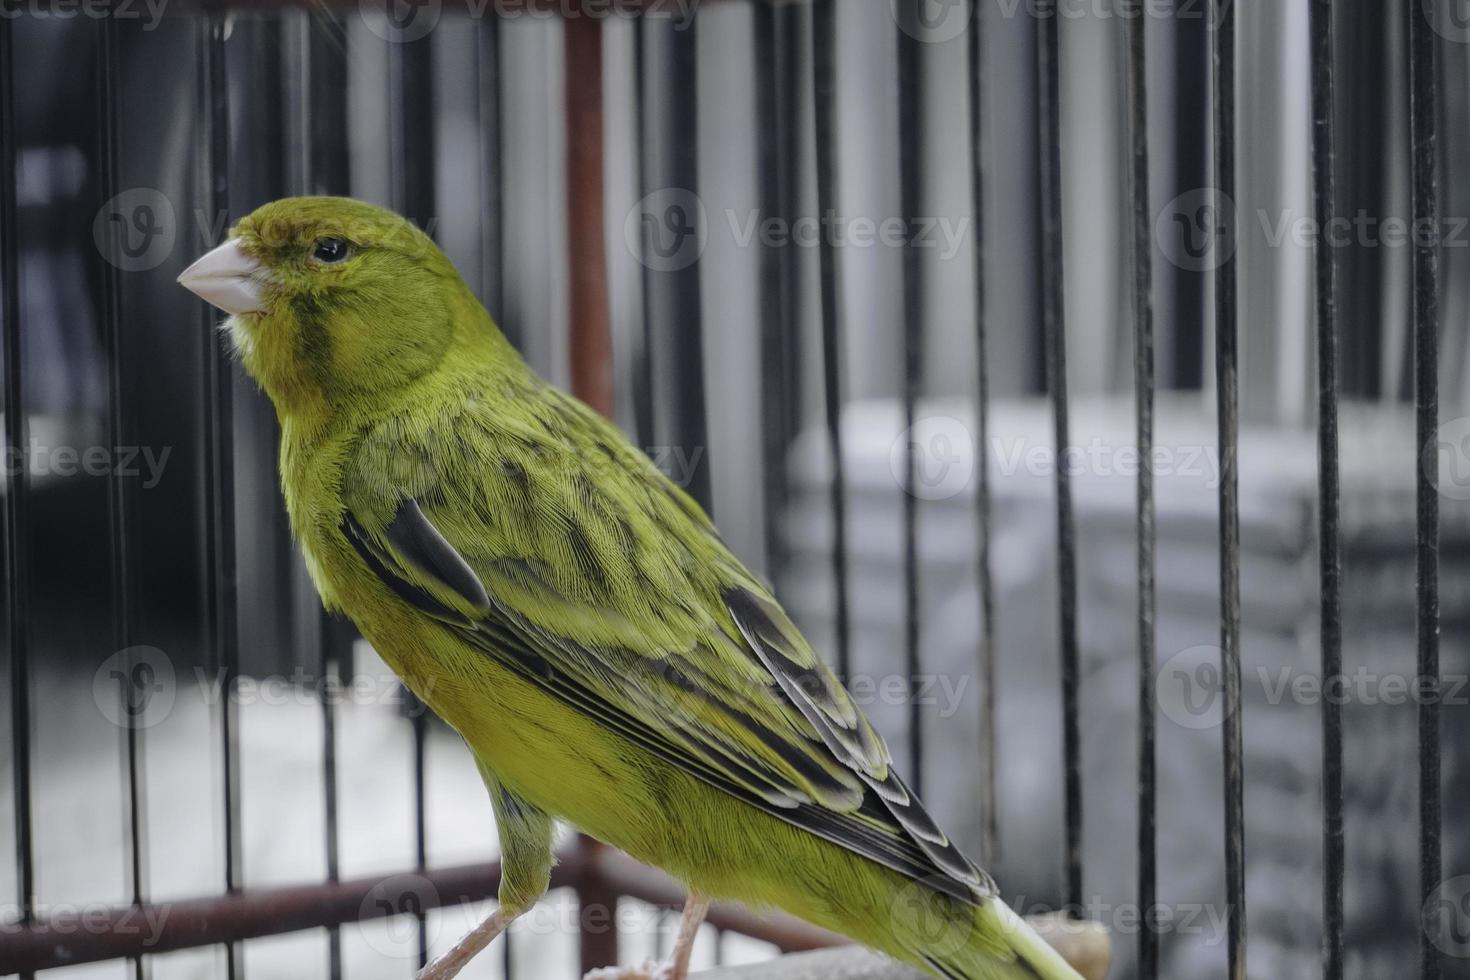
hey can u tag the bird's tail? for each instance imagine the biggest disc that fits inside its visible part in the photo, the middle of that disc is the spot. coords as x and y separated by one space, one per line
984 941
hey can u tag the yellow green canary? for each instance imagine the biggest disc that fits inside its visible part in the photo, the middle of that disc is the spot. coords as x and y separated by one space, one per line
572 613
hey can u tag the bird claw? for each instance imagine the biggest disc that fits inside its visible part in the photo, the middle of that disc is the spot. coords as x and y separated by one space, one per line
648 971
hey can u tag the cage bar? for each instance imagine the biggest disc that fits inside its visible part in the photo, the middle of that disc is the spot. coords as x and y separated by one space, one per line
910 137
587 262
591 351
778 38
492 231
673 303
1141 244
1228 400
642 369
492 167
263 912
17 493
220 579
1055 329
985 652
120 502
411 169
310 72
1424 142
824 80
1329 535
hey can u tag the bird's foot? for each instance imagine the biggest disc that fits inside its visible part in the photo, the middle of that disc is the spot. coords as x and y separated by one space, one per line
648 971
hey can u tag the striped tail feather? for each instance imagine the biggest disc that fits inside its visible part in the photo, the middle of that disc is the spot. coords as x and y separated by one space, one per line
982 941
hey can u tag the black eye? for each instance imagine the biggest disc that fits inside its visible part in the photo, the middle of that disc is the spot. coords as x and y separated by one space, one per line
331 250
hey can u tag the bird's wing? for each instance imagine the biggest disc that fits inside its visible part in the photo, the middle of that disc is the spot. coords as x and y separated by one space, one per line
564 555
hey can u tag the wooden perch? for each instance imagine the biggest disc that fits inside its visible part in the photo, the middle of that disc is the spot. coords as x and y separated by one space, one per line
1085 945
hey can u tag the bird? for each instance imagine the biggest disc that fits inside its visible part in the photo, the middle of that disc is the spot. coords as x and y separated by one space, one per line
573 614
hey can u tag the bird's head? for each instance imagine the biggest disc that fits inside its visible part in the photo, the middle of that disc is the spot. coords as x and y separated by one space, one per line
333 300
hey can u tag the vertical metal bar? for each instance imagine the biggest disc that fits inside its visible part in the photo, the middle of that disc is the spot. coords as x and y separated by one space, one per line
492 228
331 683
778 39
1183 293
1227 394
1364 173
587 259
120 503
17 492
326 145
1143 393
411 168
319 169
219 490
1329 538
824 70
295 59
1054 320
644 419
487 39
591 351
674 304
910 137
411 129
1424 140
985 654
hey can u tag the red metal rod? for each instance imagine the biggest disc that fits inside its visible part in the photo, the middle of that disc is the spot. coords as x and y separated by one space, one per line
87 935
591 354
591 340
92 934
625 876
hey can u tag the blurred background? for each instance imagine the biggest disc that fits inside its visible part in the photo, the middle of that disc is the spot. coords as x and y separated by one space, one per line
140 131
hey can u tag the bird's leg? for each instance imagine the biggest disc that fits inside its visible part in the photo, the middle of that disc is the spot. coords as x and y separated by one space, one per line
677 967
525 872
447 966
696 907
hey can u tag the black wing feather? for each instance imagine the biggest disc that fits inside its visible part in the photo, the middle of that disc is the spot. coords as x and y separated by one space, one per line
888 827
